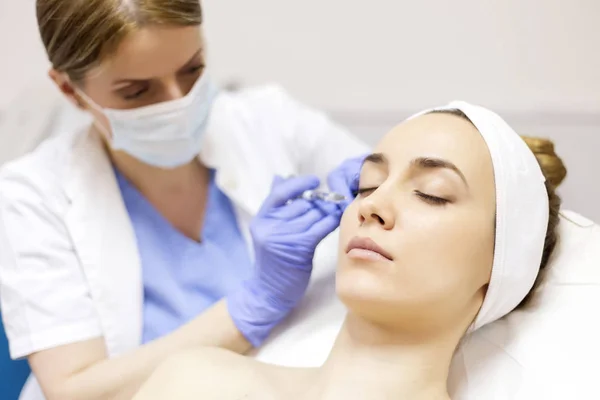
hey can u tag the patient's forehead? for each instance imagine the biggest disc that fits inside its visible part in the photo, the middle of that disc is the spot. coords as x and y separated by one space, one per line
442 136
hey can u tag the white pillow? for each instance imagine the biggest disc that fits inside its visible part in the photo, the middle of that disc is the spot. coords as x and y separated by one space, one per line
551 348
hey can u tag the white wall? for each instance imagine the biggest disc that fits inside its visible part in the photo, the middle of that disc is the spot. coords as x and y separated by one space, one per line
371 63
400 54
21 53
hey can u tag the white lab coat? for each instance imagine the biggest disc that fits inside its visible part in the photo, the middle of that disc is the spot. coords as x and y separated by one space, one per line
69 264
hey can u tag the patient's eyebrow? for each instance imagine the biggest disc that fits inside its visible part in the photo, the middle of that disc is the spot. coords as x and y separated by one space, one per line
376 158
436 163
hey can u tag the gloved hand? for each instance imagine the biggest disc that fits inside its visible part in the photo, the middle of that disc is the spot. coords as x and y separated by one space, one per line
285 235
344 179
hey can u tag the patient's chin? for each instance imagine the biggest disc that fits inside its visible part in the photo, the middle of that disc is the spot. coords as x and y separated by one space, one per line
363 292
380 300
359 283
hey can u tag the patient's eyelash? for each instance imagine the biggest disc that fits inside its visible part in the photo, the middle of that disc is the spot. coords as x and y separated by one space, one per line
434 200
362 191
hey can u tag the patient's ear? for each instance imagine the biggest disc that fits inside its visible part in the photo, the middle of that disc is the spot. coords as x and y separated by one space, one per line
66 87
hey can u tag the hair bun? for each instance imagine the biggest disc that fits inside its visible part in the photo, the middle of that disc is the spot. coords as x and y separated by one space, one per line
552 165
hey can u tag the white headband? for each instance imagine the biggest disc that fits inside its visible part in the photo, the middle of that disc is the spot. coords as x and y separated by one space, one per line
521 213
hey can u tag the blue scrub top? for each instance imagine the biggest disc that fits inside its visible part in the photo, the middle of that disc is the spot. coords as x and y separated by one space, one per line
182 277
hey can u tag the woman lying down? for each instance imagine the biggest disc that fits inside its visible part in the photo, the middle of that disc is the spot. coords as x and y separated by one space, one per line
451 226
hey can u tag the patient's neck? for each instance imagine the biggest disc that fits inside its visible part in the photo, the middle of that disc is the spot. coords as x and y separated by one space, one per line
374 362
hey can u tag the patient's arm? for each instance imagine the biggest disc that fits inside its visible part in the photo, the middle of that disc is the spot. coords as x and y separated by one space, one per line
206 373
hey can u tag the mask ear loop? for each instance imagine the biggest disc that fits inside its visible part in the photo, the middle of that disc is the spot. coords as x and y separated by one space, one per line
92 104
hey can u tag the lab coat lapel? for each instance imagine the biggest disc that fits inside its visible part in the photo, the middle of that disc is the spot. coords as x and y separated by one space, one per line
241 173
105 241
234 167
228 177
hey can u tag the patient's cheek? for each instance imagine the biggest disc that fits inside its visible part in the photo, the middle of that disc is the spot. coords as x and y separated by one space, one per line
348 226
349 222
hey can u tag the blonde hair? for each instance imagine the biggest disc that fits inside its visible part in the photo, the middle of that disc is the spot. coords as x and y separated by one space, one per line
79 34
552 166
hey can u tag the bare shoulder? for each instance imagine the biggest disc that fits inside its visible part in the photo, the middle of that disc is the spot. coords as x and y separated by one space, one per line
208 373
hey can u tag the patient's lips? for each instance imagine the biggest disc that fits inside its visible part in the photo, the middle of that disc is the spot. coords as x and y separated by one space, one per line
366 249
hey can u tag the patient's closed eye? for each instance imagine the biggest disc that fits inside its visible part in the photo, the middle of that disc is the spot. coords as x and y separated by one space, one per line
434 200
365 191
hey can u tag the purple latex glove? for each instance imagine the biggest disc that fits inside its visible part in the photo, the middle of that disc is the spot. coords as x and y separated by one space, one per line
344 179
285 236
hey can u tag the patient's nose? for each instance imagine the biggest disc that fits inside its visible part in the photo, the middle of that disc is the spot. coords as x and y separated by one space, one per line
374 209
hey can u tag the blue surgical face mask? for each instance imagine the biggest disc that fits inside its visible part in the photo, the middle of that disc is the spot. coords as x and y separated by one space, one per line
164 135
